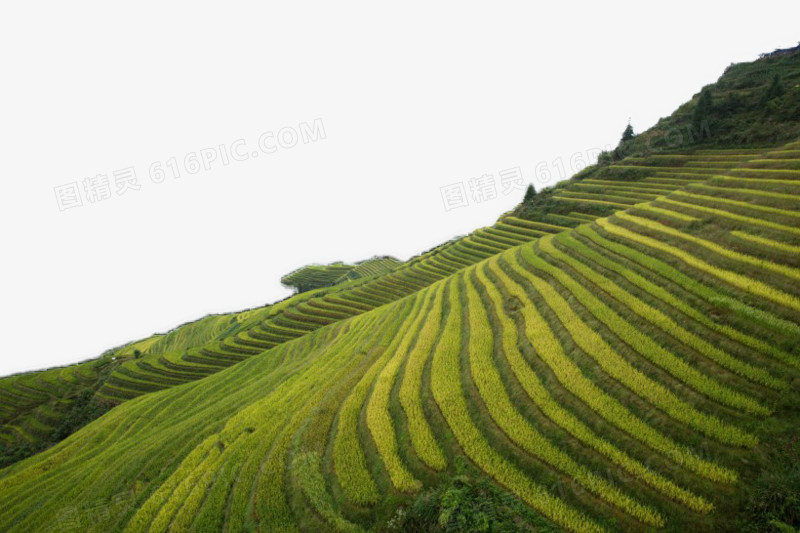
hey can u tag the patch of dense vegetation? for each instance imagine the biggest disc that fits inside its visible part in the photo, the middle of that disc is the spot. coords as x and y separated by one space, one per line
466 502
752 104
86 408
76 405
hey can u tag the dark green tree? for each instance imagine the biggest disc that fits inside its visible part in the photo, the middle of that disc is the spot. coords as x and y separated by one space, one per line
530 194
701 112
628 134
775 90
704 103
731 104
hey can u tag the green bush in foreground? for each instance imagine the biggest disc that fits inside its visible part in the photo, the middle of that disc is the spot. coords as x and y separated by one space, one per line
466 502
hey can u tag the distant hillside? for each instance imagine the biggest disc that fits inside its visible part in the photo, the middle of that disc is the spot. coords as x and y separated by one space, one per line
312 277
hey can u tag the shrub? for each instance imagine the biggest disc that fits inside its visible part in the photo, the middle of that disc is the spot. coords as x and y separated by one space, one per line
530 192
627 135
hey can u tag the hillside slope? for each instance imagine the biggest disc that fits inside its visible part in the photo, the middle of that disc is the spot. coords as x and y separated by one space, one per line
627 372
34 411
753 104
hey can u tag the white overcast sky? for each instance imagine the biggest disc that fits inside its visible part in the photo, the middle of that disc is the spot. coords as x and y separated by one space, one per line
413 97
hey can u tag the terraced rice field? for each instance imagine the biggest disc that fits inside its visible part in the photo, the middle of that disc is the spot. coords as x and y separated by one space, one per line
34 406
184 355
612 373
204 347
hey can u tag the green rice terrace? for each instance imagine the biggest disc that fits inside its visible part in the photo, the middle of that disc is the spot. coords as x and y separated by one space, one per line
316 276
621 352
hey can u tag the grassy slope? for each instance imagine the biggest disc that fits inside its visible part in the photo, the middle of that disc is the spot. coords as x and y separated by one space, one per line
743 114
